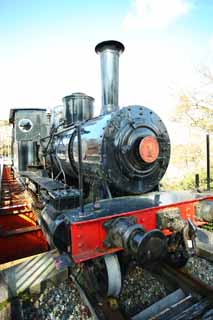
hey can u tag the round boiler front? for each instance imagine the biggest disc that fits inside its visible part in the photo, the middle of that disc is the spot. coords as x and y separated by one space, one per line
137 150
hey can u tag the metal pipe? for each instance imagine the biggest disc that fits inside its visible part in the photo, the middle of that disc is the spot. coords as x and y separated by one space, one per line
208 162
80 173
197 181
60 166
109 53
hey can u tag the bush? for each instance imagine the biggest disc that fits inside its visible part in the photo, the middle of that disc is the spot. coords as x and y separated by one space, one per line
187 182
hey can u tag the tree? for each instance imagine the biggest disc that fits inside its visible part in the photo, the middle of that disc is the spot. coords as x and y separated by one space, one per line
194 112
195 107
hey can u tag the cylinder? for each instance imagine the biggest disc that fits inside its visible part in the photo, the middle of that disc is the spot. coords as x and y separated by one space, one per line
146 247
111 150
109 53
78 107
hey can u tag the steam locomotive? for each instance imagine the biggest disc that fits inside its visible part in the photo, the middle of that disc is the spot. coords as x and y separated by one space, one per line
95 180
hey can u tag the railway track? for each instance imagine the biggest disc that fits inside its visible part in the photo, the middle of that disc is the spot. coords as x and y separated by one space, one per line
190 299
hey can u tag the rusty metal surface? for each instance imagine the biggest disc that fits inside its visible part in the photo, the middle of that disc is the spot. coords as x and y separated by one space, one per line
20 236
1 171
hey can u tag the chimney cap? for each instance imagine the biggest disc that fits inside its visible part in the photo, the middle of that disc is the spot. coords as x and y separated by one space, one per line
109 44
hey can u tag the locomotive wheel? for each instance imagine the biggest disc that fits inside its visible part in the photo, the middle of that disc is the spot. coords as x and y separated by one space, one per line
103 276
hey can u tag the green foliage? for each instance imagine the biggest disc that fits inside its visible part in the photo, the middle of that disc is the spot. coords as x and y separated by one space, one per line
187 182
208 226
195 112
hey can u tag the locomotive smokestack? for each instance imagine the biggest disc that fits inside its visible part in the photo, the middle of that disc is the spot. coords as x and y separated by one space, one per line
109 52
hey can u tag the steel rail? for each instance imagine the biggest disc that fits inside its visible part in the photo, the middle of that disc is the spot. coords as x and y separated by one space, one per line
85 298
108 309
187 281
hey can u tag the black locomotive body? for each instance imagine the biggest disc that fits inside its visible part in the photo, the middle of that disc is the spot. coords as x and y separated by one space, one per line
91 175
111 150
115 144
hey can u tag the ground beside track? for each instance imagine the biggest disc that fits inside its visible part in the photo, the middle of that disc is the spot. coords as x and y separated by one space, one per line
201 268
64 303
55 303
140 289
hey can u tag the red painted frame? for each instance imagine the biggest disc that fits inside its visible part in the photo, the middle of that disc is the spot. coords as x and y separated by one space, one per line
87 236
16 216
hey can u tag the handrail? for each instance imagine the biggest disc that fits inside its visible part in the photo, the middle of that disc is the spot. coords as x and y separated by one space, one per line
1 173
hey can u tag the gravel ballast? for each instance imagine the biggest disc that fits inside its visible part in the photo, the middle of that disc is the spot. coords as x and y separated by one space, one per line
201 268
60 302
140 289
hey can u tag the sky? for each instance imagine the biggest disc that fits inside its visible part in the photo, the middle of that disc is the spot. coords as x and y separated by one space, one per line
47 50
